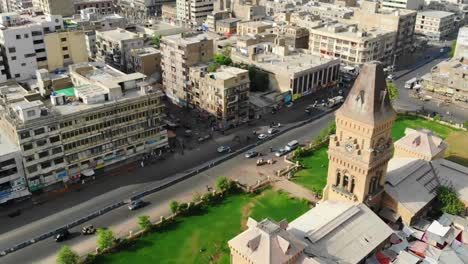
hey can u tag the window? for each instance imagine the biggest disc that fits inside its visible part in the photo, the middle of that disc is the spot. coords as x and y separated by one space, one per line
54 139
17 75
13 57
58 161
41 142
29 158
36 33
26 36
32 168
66 56
58 27
56 150
39 41
41 59
45 165
43 154
63 39
18 36
29 55
39 131
64 48
23 64
40 50
7 162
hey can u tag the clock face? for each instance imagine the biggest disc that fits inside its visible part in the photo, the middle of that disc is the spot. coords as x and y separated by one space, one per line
349 147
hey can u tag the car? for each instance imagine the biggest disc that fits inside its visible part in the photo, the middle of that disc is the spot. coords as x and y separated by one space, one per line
62 235
262 136
390 77
88 230
251 154
204 138
272 131
280 152
135 205
223 149
309 108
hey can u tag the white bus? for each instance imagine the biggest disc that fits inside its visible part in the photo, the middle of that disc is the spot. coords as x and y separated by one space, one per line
292 145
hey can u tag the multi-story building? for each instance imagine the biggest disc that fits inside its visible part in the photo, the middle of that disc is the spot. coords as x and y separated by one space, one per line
352 45
329 11
448 78
169 11
293 74
223 94
22 41
227 26
55 7
179 53
248 11
49 82
253 27
114 45
91 19
293 36
401 21
145 60
194 12
435 25
461 48
102 7
214 17
403 4
106 118
65 48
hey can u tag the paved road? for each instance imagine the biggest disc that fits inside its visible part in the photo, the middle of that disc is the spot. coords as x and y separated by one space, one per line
122 220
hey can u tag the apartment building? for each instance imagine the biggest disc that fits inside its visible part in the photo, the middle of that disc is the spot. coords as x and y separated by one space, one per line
223 94
169 11
179 53
354 46
253 27
194 12
461 48
114 45
146 60
291 73
49 82
55 7
106 118
328 11
435 25
227 26
22 42
401 21
248 11
65 48
102 7
214 17
403 4
448 78
291 36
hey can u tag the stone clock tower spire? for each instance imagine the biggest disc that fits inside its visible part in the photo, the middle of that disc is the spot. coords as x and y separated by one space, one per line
362 146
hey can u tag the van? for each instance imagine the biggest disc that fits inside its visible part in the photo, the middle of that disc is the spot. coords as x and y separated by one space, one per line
411 83
292 145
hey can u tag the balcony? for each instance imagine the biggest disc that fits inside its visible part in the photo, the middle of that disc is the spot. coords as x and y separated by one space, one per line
342 191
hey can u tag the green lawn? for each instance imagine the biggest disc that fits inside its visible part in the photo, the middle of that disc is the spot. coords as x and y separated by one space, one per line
210 230
314 174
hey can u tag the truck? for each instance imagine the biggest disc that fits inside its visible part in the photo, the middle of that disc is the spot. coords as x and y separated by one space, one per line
335 101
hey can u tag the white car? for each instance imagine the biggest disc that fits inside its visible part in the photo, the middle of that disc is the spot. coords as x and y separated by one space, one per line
262 136
272 130
223 149
280 152
390 77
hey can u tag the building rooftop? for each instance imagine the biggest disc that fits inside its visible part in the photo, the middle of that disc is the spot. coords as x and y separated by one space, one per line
435 13
340 232
187 38
145 51
422 141
6 145
261 23
118 34
12 91
226 73
350 32
13 19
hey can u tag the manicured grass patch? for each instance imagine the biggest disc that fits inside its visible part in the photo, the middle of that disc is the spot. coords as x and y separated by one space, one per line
404 121
314 174
203 238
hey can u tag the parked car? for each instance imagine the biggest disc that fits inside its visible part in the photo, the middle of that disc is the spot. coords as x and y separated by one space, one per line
262 136
390 78
135 205
88 230
280 152
251 154
204 138
62 235
272 131
223 149
188 133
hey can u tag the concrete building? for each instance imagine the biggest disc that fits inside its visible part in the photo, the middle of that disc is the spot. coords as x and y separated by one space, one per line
403 4
145 60
448 78
55 7
91 19
223 94
114 45
106 118
351 44
421 144
22 41
328 11
248 10
401 21
292 74
141 10
169 11
49 82
65 48
461 49
194 12
179 53
214 17
253 27
435 25
102 7
291 36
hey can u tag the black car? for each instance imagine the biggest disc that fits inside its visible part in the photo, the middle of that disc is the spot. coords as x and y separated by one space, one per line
135 205
62 235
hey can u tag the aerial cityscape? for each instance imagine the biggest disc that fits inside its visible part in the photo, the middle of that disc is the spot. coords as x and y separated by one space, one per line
234 131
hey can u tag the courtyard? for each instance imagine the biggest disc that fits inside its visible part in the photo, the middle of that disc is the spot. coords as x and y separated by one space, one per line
202 238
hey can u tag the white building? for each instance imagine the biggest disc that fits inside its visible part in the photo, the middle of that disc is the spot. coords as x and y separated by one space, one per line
435 25
461 50
403 4
194 11
22 38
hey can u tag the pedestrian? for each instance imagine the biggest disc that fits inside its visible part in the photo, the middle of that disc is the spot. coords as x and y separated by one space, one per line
271 149
142 164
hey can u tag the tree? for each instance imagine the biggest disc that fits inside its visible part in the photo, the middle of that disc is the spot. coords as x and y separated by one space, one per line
224 184
156 40
452 49
67 256
392 91
222 59
174 205
450 202
144 222
212 67
105 238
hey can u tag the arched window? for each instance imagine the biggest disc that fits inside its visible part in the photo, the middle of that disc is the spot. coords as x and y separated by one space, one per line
338 178
372 185
345 181
351 189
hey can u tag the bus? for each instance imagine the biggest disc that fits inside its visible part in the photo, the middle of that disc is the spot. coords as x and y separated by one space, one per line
292 145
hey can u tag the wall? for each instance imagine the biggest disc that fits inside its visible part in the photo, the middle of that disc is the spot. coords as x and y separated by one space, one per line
75 46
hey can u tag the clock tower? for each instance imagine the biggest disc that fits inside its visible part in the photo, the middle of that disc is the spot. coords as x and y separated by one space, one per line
362 146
